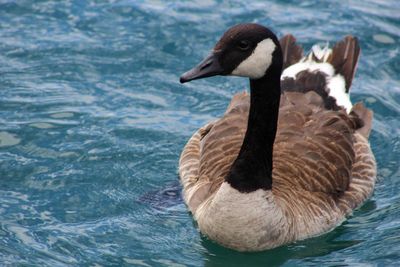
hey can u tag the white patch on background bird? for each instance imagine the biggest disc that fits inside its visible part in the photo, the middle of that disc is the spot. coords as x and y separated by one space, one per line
337 89
258 62
335 82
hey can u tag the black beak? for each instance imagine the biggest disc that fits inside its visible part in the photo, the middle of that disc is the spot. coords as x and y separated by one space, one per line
208 67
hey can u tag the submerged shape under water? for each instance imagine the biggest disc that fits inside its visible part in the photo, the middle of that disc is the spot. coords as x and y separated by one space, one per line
93 120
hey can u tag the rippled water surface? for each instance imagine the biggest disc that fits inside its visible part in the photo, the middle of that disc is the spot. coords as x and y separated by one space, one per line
93 120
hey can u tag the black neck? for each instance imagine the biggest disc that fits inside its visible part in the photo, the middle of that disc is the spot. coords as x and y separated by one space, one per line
252 168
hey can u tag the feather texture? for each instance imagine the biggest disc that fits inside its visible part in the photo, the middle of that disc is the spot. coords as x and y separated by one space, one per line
315 149
323 167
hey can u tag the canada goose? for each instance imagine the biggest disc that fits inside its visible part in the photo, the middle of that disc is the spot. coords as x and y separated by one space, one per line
291 160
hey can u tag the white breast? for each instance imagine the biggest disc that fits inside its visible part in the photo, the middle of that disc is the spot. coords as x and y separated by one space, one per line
243 221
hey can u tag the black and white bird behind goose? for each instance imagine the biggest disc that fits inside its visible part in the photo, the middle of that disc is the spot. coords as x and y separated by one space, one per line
290 160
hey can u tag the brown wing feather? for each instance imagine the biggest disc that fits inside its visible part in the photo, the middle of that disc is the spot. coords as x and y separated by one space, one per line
317 154
313 150
291 51
366 117
344 58
363 176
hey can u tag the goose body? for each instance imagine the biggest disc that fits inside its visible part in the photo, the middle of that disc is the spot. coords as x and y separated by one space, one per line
288 161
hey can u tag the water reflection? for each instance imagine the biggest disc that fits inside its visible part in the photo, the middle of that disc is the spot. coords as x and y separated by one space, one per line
315 247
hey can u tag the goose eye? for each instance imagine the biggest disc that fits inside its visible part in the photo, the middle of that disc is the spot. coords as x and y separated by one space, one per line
243 45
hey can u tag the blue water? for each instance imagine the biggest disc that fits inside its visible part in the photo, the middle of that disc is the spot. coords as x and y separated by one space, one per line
93 119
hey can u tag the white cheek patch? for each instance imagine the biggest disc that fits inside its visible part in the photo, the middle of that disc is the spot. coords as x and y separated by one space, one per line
258 62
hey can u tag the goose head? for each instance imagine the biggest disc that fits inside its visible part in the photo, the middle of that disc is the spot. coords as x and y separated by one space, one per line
246 50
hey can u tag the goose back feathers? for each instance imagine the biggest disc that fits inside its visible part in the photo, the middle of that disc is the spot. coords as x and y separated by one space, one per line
322 165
